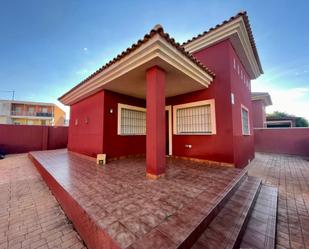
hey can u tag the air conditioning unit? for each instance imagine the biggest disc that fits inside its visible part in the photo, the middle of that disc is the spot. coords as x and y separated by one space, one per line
101 159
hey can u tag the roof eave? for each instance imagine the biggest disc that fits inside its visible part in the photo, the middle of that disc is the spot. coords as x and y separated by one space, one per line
155 47
239 26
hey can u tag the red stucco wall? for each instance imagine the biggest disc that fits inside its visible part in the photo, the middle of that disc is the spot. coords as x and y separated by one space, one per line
223 147
258 113
294 141
57 137
25 138
228 145
86 125
116 145
217 147
243 144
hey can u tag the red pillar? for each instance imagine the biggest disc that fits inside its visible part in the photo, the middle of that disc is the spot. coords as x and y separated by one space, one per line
155 122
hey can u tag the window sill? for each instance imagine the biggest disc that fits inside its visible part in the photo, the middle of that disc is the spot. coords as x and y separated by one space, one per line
126 135
192 134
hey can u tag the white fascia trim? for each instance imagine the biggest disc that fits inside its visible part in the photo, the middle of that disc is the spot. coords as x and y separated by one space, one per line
242 127
265 98
157 47
235 27
129 107
210 102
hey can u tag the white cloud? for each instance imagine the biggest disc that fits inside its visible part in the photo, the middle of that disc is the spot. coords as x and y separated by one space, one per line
290 100
85 49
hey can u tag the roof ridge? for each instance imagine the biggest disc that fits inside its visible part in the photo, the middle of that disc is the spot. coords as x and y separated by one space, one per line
158 29
242 14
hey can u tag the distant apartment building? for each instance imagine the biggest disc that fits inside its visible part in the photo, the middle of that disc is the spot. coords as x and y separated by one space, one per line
30 113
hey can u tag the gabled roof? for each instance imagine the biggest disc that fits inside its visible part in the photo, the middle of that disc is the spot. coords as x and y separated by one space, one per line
241 15
157 30
265 96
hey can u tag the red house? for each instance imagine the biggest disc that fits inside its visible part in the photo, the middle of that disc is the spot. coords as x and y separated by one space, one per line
161 98
260 100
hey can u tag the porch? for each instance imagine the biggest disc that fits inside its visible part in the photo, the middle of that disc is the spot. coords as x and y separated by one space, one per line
153 69
115 206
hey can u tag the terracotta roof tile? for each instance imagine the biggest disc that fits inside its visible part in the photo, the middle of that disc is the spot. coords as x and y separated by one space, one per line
242 14
156 30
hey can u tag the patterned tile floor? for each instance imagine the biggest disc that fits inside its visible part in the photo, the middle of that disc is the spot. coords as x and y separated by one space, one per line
291 176
132 208
30 217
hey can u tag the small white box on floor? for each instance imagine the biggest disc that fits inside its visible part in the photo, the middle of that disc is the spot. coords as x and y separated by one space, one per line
101 159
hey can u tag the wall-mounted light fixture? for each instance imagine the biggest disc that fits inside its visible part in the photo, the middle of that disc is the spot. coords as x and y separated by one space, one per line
111 110
76 122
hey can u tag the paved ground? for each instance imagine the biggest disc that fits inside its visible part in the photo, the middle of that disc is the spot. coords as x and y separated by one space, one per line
30 217
291 176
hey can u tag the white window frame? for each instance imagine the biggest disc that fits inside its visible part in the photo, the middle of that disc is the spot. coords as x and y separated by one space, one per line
242 127
210 102
129 107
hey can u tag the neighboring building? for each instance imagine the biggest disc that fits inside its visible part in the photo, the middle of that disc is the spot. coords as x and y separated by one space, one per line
30 113
260 100
197 96
281 122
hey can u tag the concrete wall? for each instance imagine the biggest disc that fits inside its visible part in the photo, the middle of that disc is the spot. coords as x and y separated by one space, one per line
5 108
59 116
293 141
25 138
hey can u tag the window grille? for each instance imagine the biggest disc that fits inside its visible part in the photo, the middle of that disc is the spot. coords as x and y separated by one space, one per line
195 119
133 122
245 121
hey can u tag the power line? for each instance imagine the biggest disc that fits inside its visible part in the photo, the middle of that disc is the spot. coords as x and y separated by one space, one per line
8 91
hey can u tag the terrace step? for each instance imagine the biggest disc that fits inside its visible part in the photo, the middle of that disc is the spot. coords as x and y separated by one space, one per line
226 229
261 228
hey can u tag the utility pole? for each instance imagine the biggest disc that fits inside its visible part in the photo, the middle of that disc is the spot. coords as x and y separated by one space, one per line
12 91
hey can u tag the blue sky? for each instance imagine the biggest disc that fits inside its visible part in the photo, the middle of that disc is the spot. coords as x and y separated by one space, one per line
48 46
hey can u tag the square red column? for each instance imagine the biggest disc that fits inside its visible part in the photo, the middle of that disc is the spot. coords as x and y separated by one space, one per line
155 123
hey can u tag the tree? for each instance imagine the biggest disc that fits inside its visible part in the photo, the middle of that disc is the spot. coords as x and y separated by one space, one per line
299 121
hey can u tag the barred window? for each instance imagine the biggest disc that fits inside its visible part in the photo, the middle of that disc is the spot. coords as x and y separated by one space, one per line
245 121
194 118
131 120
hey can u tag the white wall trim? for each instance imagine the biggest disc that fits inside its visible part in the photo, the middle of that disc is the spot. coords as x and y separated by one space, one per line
156 47
242 127
238 28
130 107
137 108
210 102
170 128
